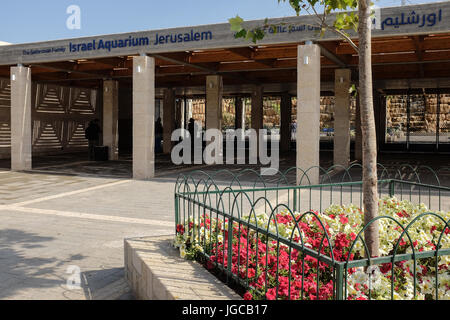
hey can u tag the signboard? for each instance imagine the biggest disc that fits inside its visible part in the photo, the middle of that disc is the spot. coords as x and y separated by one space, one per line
395 21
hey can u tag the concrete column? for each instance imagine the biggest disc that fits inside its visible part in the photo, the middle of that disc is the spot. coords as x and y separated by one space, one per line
342 117
179 113
168 119
189 110
21 145
213 109
239 113
308 111
111 117
257 114
257 118
143 117
214 88
358 132
286 119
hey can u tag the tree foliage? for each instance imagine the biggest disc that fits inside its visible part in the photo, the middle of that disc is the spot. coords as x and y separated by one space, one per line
345 19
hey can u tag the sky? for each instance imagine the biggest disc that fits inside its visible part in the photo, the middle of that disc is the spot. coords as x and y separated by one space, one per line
23 21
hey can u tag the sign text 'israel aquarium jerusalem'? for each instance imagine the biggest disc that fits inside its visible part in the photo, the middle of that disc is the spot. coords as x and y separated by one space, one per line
159 39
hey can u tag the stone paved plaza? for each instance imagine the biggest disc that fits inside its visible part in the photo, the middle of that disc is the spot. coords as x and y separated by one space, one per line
51 222
66 215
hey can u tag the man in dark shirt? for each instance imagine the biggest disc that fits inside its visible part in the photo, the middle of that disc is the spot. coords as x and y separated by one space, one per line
158 136
92 133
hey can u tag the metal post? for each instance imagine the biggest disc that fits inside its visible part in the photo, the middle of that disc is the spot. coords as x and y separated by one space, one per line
295 200
339 281
408 120
391 188
177 211
438 118
230 247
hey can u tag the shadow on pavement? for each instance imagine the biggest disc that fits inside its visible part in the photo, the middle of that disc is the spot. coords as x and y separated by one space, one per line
18 270
105 284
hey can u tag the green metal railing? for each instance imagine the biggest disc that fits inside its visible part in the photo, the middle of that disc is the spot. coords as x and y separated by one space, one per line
221 216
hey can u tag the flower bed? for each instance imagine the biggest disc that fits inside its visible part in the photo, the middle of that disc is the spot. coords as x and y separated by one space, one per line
269 268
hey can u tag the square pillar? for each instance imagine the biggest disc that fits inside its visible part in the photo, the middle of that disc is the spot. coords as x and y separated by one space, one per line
214 88
257 114
179 113
143 117
213 109
189 110
308 112
21 145
168 119
286 119
111 117
257 118
342 117
239 113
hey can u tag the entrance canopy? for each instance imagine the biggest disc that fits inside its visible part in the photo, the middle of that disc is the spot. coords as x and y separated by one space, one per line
410 51
409 42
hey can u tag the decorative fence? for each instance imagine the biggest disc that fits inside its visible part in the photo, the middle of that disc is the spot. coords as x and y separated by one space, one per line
282 241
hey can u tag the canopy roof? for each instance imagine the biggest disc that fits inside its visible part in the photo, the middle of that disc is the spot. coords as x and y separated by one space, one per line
408 43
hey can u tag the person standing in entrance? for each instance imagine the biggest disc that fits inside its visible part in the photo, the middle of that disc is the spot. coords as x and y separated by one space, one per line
92 133
192 128
158 135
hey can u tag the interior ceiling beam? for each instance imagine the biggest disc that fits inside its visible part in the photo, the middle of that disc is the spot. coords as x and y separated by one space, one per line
183 63
114 62
57 69
401 44
212 71
331 56
246 53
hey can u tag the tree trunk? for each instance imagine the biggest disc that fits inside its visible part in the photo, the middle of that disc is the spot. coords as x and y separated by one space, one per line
369 140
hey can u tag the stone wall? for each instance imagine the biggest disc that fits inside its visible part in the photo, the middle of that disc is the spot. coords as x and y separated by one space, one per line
423 113
271 111
327 112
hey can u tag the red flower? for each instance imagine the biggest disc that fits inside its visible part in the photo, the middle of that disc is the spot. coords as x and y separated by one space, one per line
386 267
341 241
180 229
248 296
343 219
402 214
209 265
271 294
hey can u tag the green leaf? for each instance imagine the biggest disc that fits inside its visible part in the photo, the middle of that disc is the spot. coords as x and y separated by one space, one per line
249 35
241 34
236 23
